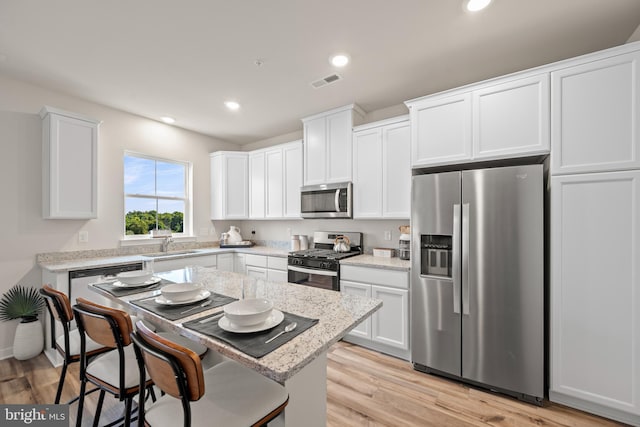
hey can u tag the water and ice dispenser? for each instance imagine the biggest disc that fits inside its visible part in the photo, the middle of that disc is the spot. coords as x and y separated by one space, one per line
435 255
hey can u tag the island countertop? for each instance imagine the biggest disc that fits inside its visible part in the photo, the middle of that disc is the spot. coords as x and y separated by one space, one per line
337 313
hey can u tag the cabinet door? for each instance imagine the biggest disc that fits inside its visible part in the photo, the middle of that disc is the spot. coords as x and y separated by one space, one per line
70 148
595 289
315 151
277 275
511 119
292 169
390 324
441 130
339 127
396 171
595 116
225 262
257 272
257 185
216 182
367 173
275 184
360 289
236 187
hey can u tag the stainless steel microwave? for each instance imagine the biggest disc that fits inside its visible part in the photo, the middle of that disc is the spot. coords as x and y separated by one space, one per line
326 200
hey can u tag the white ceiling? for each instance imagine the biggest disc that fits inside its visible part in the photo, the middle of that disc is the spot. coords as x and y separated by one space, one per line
185 58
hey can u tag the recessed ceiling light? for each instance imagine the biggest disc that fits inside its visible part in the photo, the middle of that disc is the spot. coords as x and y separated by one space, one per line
168 120
476 5
339 60
232 105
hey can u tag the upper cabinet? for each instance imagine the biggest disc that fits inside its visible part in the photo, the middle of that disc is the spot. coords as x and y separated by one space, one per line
260 184
275 178
229 185
505 118
69 169
382 169
596 111
327 145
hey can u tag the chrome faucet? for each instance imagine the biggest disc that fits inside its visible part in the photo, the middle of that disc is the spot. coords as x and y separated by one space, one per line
165 243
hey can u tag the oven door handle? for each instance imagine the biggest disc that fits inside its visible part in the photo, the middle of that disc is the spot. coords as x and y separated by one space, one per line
312 271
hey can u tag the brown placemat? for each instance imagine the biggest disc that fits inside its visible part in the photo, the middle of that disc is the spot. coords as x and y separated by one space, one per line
254 344
121 291
175 312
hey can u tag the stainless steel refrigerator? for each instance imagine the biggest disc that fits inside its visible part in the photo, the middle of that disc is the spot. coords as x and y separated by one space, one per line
477 277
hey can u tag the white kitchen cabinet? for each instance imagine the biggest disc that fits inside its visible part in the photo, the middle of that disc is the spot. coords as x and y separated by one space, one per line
363 330
275 177
225 262
274 174
595 293
266 267
511 119
240 263
229 185
257 184
595 115
387 330
70 161
178 263
292 175
499 119
440 129
327 145
257 272
382 169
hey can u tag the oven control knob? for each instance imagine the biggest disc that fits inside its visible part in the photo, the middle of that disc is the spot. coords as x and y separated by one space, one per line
324 265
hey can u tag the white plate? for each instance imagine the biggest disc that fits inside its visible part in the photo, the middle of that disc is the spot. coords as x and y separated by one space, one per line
202 295
149 282
272 321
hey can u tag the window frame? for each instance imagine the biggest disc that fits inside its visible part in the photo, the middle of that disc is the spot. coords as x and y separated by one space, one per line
187 225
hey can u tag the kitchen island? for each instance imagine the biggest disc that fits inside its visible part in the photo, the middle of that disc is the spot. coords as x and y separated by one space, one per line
300 364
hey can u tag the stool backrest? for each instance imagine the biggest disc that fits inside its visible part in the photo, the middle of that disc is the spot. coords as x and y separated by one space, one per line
105 325
57 303
177 370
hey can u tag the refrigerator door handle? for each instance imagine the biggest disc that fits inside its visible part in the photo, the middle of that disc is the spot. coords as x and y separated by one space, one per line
465 258
455 249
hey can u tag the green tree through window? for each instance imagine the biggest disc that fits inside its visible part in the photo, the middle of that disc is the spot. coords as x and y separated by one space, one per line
156 194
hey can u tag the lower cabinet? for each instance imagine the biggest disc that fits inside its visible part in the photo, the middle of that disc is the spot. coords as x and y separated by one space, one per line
595 293
266 267
177 263
225 262
387 330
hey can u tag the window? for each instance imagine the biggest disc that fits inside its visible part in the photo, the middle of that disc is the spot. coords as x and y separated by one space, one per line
156 195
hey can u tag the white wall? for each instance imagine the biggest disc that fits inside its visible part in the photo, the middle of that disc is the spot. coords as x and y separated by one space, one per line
373 230
24 232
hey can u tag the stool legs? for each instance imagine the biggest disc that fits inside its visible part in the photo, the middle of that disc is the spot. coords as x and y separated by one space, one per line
61 382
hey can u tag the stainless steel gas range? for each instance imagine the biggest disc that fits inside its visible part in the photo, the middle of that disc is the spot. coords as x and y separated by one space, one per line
320 266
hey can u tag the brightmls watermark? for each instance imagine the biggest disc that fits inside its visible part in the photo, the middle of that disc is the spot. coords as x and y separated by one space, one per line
34 415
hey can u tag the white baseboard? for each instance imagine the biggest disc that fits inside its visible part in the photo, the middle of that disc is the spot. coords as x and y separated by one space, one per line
6 353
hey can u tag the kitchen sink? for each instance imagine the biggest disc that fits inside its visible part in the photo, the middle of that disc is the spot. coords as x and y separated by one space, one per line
168 254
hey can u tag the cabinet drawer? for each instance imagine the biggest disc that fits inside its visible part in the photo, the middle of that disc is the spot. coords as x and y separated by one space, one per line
257 260
276 263
375 276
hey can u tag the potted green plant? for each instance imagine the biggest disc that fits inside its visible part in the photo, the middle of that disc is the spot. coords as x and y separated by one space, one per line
24 303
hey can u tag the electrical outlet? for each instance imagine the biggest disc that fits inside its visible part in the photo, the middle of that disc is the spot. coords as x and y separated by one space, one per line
387 235
83 236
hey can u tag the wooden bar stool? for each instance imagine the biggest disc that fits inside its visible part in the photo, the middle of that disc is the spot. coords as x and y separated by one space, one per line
235 395
67 343
115 372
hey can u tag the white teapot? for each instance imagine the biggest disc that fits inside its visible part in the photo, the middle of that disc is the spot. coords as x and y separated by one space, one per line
234 235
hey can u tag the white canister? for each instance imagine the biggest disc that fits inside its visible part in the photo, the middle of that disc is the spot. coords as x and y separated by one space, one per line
295 243
304 242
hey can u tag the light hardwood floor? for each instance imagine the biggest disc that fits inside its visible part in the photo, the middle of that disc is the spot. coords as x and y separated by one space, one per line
364 388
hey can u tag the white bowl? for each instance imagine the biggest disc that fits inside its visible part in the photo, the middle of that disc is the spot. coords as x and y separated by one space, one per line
135 277
181 291
247 312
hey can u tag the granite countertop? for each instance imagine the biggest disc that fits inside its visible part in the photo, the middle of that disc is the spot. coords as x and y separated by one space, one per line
67 261
378 262
337 313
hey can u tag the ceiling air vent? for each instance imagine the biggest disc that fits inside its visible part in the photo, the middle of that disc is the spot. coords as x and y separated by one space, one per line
326 80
